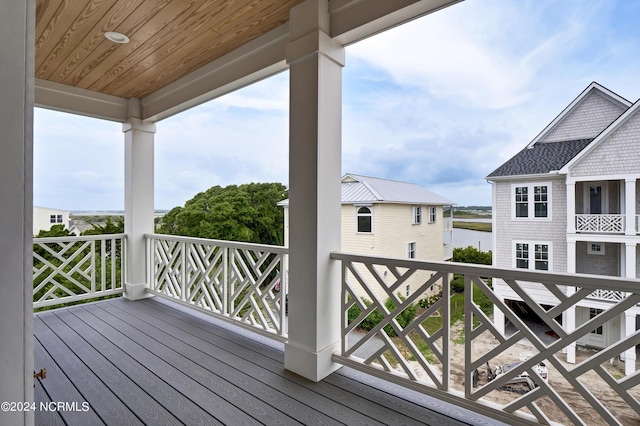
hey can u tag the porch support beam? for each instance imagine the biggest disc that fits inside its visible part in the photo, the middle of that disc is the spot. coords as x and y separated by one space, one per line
74 100
630 206
316 64
571 208
138 193
628 328
16 245
354 20
569 316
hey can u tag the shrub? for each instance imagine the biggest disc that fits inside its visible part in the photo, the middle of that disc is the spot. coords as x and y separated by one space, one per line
404 318
457 283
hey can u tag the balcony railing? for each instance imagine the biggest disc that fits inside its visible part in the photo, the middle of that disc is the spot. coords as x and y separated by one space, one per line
71 269
239 282
605 223
428 361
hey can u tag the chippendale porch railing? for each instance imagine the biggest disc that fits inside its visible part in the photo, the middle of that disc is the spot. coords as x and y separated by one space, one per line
450 362
238 282
609 223
70 269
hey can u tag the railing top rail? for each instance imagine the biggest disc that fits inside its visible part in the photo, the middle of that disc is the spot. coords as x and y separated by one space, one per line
578 280
80 238
230 244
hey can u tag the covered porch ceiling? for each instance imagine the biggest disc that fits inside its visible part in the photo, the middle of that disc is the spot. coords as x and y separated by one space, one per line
181 53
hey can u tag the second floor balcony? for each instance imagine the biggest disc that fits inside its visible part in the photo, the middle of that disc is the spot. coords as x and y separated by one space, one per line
605 207
212 333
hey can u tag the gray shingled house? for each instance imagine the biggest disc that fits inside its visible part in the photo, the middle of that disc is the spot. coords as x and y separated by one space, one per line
569 202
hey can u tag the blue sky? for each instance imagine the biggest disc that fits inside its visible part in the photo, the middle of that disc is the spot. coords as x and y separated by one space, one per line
441 102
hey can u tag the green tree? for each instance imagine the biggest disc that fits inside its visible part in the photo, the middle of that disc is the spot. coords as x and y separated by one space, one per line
246 213
55 231
109 227
471 254
468 254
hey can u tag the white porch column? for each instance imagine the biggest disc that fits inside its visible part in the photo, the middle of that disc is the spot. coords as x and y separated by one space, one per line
498 318
628 328
571 208
569 316
316 63
16 192
138 198
630 206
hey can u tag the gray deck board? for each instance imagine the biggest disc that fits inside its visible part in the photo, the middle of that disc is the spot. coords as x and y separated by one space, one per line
146 362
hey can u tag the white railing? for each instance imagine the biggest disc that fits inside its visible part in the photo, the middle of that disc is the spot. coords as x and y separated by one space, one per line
238 282
610 295
70 269
609 223
428 354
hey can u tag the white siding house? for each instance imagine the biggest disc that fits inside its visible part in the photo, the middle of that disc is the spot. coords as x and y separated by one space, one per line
382 217
569 202
44 218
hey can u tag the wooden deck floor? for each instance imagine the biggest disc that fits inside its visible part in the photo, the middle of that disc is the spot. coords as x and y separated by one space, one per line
150 363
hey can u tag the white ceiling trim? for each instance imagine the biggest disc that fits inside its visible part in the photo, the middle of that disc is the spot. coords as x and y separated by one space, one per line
61 97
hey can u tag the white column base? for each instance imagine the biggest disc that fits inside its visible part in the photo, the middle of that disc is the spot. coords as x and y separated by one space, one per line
311 365
136 291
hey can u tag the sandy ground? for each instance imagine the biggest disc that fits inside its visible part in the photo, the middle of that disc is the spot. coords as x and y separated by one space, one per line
523 350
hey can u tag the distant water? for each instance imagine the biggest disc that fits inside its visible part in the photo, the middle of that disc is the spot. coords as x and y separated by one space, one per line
465 237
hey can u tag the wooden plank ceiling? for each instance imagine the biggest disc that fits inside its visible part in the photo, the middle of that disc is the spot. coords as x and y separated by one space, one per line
168 39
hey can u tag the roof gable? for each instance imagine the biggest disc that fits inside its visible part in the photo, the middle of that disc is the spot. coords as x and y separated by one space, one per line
610 151
569 134
585 117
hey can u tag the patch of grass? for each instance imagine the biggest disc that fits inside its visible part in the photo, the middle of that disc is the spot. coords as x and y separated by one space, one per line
474 226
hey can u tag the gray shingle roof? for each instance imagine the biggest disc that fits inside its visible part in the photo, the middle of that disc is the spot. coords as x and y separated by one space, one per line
541 158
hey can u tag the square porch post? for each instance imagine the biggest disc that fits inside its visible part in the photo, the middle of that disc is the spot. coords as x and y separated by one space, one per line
316 63
138 198
16 245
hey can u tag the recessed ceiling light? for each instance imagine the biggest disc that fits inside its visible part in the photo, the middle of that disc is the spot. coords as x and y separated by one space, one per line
116 37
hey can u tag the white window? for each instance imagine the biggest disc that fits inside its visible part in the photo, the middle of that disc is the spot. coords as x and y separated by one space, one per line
593 312
531 201
432 214
411 250
540 201
522 255
408 291
595 248
417 215
52 218
521 201
364 218
532 255
59 218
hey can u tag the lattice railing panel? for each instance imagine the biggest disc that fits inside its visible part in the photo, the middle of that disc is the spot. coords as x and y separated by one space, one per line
451 361
609 223
237 281
603 294
70 269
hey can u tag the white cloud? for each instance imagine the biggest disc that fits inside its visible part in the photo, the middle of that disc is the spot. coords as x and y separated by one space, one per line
441 101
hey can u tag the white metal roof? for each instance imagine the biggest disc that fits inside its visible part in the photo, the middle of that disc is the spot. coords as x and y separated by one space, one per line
358 189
